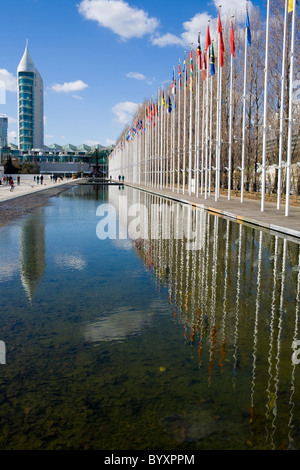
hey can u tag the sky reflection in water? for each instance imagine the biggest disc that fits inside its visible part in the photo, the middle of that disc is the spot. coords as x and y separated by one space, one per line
146 343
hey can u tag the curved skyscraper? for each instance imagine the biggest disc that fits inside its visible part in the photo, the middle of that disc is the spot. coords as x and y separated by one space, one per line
30 105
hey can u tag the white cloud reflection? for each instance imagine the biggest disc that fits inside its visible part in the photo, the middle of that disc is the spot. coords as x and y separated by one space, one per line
76 262
118 325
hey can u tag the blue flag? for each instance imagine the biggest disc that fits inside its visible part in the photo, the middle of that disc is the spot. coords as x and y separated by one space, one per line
212 60
169 104
248 27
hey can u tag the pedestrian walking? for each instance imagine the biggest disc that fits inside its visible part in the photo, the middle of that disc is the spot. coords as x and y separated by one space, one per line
11 182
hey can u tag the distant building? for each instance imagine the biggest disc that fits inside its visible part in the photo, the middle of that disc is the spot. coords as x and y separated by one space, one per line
3 130
30 105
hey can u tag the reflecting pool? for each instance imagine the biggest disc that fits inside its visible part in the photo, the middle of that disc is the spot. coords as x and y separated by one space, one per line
182 336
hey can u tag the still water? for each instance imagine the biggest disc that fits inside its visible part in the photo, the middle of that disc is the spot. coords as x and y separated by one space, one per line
180 339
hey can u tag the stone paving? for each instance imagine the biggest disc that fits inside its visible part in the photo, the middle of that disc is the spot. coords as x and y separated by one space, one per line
27 187
247 212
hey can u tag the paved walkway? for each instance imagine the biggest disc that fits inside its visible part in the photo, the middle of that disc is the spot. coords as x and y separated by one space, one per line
28 187
247 212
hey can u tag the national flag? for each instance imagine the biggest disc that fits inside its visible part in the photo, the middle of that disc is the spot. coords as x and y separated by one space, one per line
204 66
212 60
248 27
199 61
208 41
191 71
164 101
169 104
174 83
179 75
221 41
291 5
185 74
232 41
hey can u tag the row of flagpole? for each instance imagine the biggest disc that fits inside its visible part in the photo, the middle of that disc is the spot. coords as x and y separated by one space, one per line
154 161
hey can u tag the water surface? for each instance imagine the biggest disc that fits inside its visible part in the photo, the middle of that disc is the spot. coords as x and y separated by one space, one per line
180 339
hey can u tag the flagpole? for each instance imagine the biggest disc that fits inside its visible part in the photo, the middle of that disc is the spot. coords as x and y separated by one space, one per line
184 129
244 115
230 119
217 195
210 135
218 120
290 121
282 107
207 105
179 134
198 120
263 188
173 152
203 127
190 124
161 138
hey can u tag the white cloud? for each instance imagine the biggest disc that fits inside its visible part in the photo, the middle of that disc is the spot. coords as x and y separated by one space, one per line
232 6
49 136
199 23
190 35
11 136
118 16
91 142
9 81
109 142
136 75
12 120
167 39
125 111
140 77
77 97
68 87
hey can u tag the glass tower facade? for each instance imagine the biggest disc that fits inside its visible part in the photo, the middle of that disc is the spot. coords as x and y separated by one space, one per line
30 105
3 131
26 110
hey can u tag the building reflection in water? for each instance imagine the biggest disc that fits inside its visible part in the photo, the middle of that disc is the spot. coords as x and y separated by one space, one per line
235 291
32 255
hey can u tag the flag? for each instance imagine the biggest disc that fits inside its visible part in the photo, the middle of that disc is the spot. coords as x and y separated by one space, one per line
191 71
291 5
221 41
208 41
164 101
212 60
204 67
184 74
232 40
179 75
169 104
199 61
248 27
174 83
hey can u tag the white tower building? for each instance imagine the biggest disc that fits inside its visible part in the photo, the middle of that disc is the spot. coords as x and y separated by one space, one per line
30 105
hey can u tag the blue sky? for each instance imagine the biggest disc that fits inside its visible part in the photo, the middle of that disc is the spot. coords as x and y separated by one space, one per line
98 58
